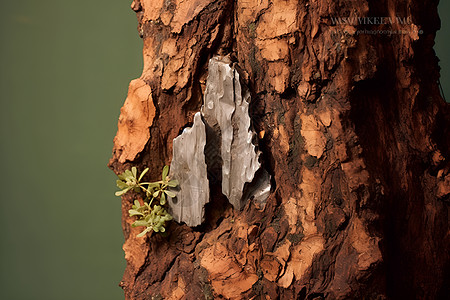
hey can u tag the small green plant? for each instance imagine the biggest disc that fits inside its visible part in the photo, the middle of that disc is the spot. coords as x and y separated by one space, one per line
152 214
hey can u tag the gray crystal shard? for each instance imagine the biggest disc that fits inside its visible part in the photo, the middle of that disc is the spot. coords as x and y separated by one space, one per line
218 109
189 168
219 147
225 109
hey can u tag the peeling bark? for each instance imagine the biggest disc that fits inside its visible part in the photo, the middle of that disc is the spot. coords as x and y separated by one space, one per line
353 131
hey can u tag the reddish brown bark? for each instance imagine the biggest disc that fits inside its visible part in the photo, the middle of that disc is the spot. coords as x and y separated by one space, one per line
356 137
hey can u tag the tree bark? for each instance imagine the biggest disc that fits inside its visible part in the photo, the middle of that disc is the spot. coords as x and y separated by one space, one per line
353 131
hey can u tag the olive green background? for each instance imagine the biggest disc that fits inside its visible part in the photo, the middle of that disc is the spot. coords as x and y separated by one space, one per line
65 68
64 72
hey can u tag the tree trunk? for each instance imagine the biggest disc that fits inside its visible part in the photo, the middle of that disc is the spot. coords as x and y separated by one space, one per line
352 129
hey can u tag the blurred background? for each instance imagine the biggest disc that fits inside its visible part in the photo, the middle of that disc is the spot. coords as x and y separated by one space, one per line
65 68
64 73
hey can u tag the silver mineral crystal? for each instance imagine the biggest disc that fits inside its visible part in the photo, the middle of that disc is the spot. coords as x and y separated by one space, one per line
230 144
189 168
225 109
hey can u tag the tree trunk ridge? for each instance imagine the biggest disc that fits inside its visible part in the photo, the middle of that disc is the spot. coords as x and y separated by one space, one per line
353 131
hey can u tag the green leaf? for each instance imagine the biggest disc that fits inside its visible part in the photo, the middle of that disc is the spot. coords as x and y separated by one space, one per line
170 194
144 232
134 212
140 223
120 193
137 203
147 218
153 185
173 183
120 184
156 194
134 170
127 174
162 201
147 205
143 173
165 172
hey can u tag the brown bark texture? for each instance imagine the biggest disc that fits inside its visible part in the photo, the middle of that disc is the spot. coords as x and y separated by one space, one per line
352 129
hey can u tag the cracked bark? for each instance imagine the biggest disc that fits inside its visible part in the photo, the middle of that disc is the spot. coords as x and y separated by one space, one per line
353 131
